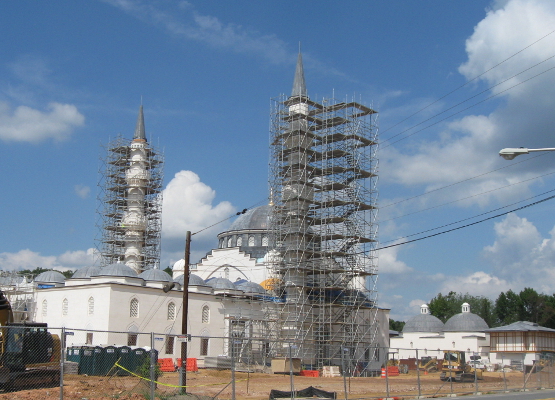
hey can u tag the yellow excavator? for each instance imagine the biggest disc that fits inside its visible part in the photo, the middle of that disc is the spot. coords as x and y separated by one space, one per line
29 354
456 369
428 364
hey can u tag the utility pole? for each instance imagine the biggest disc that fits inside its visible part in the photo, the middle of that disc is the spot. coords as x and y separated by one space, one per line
185 307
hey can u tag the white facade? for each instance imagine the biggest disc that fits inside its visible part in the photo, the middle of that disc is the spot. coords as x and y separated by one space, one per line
423 333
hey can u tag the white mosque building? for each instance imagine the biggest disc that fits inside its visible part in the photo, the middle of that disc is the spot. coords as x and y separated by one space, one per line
465 331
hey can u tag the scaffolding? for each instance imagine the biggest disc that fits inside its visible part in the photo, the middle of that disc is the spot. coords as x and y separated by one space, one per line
116 184
323 231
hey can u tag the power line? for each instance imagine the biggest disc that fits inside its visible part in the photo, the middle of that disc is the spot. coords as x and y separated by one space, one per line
471 80
469 107
468 197
464 180
465 226
470 98
469 218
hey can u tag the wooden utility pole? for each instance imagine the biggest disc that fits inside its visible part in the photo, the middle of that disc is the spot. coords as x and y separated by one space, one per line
185 307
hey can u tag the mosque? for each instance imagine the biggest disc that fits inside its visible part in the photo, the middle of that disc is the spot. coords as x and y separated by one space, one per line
233 289
465 331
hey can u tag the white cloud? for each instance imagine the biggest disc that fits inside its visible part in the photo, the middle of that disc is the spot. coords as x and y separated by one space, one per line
477 284
468 147
27 259
82 191
25 124
389 264
188 207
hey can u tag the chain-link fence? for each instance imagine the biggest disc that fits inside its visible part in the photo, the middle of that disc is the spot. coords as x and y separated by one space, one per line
92 364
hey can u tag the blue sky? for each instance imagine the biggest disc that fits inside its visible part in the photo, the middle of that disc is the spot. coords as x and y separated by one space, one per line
72 75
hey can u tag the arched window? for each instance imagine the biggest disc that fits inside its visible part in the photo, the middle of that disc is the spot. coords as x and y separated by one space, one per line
251 240
44 308
264 240
221 243
91 305
134 308
64 306
205 314
239 241
226 273
171 311
229 241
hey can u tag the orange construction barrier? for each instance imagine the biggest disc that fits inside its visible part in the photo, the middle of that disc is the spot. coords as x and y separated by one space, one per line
191 364
307 372
166 365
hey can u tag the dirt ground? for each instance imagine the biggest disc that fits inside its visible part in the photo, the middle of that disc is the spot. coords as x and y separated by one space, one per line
257 386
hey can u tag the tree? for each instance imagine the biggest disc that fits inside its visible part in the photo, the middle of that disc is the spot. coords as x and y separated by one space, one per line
169 271
396 325
444 307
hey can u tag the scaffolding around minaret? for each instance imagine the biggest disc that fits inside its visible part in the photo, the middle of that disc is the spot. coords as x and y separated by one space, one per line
323 230
130 201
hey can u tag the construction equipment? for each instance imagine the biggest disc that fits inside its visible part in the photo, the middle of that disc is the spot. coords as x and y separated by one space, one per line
29 354
428 364
456 369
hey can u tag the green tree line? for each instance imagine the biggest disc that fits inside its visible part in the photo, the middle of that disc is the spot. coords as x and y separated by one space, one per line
509 307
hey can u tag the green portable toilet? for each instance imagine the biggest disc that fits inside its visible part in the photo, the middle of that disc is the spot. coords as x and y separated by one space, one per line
137 359
97 360
86 363
124 357
106 357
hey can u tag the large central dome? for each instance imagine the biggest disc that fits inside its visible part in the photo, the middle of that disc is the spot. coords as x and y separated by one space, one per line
256 218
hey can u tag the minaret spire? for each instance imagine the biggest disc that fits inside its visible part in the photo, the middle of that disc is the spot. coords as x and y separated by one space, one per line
299 85
140 128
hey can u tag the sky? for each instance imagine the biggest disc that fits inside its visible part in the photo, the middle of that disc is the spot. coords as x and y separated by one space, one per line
454 82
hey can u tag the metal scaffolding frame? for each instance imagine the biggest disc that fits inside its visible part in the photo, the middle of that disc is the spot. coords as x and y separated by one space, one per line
323 232
113 203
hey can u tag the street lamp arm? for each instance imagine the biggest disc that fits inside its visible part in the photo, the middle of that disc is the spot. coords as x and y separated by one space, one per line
510 153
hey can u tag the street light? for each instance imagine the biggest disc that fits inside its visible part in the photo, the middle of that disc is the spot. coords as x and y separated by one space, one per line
510 153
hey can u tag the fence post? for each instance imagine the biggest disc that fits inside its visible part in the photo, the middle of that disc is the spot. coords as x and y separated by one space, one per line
152 366
503 367
524 372
62 355
418 374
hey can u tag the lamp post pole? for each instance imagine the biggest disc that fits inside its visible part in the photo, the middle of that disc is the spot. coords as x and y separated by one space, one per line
185 307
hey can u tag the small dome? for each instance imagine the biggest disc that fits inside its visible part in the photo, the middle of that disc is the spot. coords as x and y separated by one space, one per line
253 219
194 280
465 322
50 277
424 322
117 269
86 272
250 288
155 275
179 265
221 283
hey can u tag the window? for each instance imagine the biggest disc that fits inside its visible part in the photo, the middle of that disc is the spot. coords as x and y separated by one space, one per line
169 344
221 243
91 306
264 240
44 308
204 346
171 311
132 339
229 241
226 273
205 314
134 308
251 240
64 307
239 241
89 338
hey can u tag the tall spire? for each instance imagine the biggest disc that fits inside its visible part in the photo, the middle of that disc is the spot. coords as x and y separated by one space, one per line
299 85
140 128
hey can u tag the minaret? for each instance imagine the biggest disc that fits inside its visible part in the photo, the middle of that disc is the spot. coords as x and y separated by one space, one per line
322 229
131 206
137 177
